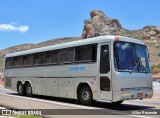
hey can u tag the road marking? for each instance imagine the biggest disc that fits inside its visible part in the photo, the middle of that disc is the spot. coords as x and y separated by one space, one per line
70 105
57 103
140 116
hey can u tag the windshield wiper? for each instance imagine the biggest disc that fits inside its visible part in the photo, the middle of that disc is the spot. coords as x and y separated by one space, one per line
138 63
134 67
144 68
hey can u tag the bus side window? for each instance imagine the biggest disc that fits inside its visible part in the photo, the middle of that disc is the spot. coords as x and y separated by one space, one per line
104 59
38 59
28 60
9 62
17 62
51 57
86 53
66 56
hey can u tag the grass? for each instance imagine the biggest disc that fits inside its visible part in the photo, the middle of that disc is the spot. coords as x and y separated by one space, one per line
29 116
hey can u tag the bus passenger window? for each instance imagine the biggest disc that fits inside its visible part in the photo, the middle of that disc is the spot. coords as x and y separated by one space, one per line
17 62
51 57
66 56
28 60
86 53
9 62
38 59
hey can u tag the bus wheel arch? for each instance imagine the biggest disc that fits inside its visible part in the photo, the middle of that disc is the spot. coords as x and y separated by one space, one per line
20 88
84 94
28 89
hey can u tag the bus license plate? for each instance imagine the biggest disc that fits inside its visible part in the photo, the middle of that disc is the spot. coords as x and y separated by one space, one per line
139 94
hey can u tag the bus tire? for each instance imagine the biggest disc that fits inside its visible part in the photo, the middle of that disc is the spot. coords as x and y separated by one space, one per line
117 103
85 95
20 89
28 90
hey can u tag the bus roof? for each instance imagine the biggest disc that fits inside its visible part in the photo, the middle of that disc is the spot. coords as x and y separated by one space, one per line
99 39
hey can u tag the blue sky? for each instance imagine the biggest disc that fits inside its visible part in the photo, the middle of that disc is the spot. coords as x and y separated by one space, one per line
33 21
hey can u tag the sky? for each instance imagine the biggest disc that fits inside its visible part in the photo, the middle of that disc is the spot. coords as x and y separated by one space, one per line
34 21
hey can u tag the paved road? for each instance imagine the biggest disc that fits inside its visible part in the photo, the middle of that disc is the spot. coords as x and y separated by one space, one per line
58 106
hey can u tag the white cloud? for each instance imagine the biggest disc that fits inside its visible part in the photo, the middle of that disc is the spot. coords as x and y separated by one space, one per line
12 27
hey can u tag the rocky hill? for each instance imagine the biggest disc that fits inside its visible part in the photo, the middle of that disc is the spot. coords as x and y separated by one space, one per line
100 24
41 44
15 49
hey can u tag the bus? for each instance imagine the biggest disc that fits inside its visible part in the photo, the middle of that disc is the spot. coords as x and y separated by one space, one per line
104 68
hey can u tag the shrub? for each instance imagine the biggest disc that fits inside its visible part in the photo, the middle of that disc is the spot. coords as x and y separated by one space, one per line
156 70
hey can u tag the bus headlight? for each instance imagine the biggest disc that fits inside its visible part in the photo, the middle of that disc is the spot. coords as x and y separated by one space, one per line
126 94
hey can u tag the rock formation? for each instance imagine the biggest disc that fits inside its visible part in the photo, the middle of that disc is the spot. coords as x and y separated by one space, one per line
100 24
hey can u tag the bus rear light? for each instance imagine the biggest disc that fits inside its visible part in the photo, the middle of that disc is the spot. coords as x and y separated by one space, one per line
122 89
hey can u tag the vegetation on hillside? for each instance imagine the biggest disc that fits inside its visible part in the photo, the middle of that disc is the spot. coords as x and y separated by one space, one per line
1 64
155 68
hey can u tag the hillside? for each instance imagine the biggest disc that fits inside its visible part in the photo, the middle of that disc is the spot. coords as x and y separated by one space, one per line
100 24
41 44
29 46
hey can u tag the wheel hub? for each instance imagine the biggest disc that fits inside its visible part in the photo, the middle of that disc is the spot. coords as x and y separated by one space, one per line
20 89
29 90
85 95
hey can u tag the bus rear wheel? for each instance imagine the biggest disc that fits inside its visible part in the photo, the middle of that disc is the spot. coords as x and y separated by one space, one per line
85 95
28 90
21 89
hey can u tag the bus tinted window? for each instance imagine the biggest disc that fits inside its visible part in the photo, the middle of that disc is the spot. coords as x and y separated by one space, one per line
9 62
51 57
104 59
66 56
28 60
104 84
86 53
39 59
17 62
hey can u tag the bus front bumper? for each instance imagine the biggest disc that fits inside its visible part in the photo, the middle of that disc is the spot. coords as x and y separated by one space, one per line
128 95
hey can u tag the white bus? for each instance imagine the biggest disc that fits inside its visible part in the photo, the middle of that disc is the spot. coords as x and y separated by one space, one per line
111 68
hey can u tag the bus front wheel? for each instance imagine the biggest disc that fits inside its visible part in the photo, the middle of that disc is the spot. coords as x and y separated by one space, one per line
28 90
85 95
21 89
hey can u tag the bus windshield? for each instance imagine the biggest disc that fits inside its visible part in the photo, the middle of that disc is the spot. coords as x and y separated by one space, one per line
131 57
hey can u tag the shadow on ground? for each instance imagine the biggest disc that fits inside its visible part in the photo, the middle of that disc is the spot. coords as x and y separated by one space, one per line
97 104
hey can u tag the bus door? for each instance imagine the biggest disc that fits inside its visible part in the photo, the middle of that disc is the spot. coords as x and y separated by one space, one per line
105 72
